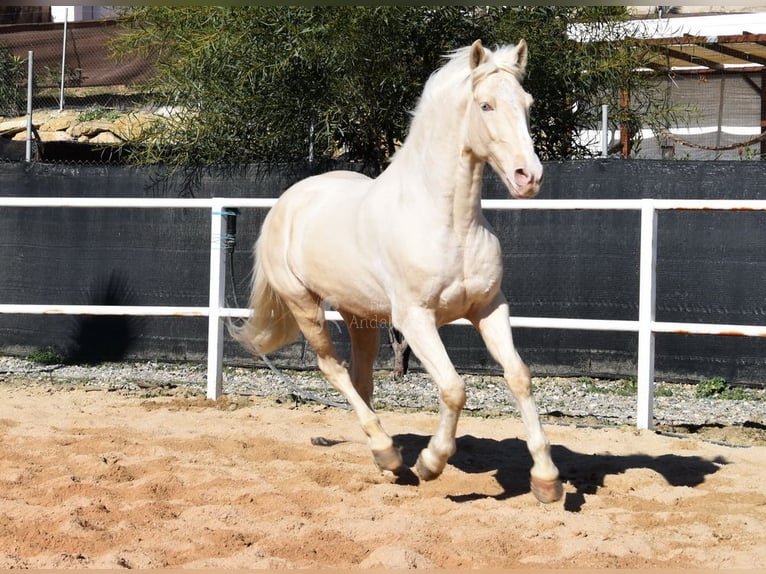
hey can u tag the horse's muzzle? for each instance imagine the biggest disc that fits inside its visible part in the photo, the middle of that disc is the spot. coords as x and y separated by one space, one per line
525 182
523 187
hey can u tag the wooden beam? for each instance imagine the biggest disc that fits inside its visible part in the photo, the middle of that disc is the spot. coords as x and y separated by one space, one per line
735 53
699 61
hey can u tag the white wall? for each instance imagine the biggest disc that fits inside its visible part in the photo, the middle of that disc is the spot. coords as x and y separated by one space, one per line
79 13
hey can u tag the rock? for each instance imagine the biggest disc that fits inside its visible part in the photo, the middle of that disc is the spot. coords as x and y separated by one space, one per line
105 138
132 125
126 127
14 126
90 128
59 121
54 136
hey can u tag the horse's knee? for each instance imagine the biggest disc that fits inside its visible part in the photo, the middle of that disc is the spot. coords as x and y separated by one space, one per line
519 380
452 394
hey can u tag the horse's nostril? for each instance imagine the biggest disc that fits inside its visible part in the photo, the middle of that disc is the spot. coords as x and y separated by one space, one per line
522 176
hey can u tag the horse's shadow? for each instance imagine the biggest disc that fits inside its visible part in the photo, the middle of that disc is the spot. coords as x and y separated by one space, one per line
511 461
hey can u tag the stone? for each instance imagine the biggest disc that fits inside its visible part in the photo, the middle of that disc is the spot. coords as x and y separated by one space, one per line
105 137
59 122
132 126
54 136
90 128
14 126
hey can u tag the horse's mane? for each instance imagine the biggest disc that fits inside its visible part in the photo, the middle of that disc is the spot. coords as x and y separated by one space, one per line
449 86
452 78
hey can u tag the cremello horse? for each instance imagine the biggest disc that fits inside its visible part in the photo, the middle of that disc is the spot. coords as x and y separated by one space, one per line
412 248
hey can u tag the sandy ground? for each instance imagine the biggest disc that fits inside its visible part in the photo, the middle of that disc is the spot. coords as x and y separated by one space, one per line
106 480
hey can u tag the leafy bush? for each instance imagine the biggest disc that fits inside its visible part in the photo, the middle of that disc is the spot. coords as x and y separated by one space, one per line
47 356
11 78
98 114
718 388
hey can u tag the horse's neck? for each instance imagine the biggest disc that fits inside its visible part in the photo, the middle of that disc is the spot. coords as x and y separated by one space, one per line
466 199
430 165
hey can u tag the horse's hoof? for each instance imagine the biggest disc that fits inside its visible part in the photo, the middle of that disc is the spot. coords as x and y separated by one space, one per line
547 491
389 459
423 470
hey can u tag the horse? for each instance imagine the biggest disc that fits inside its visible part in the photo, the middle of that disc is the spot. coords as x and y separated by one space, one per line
409 248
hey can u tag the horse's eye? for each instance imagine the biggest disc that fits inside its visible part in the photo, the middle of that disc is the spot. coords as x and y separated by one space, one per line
486 107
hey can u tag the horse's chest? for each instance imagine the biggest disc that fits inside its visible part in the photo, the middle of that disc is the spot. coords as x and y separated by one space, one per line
476 277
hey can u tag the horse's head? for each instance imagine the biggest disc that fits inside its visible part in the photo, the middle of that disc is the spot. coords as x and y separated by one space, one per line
498 117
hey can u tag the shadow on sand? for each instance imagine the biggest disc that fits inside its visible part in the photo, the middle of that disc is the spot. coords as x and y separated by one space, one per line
510 460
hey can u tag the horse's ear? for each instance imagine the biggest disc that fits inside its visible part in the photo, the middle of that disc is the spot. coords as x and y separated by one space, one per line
478 56
521 54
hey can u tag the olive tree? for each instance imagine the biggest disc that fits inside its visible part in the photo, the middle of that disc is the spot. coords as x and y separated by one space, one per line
11 77
274 84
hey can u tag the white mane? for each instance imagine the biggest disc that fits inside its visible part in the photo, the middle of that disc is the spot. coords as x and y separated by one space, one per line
449 87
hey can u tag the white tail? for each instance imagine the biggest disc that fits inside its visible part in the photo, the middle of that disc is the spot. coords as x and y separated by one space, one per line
271 325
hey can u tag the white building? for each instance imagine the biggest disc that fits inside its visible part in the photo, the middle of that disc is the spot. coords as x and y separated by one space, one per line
80 13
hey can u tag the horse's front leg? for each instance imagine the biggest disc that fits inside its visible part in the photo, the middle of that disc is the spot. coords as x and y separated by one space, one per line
418 326
494 327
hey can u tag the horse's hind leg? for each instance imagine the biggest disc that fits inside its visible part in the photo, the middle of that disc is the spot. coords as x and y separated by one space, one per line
310 317
492 323
365 341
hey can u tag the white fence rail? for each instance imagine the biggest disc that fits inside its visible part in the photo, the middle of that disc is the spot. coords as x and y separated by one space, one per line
646 326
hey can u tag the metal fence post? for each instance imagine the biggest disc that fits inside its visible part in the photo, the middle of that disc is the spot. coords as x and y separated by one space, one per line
646 315
63 61
30 82
216 303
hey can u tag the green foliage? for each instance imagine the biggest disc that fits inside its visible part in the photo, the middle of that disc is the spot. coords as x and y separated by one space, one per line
718 388
98 114
263 84
571 80
47 356
51 76
11 77
252 83
622 387
663 390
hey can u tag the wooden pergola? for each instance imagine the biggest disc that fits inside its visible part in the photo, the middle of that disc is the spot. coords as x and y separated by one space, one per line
743 54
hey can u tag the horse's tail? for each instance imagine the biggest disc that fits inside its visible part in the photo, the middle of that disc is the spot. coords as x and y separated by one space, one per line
271 325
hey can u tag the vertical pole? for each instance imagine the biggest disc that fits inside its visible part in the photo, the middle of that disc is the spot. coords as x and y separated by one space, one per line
604 130
763 114
63 61
216 303
30 81
646 314
719 127
624 135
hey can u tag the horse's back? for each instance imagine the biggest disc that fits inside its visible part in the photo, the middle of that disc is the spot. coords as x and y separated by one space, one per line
319 229
341 181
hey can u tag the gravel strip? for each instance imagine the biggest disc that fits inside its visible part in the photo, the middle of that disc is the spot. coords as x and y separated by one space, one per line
593 401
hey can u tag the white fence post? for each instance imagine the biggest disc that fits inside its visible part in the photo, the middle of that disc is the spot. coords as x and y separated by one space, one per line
30 84
63 61
217 301
646 314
